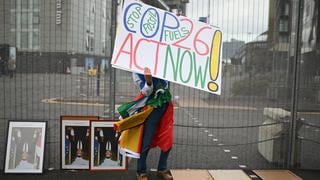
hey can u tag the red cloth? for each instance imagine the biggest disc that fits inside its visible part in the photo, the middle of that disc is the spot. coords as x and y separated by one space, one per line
139 96
163 136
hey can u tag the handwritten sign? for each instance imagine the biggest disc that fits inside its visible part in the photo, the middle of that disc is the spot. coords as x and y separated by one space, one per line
175 48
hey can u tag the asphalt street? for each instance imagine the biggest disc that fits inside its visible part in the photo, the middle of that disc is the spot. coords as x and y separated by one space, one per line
202 137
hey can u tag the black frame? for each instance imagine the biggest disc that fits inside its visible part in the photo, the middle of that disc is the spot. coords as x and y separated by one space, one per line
125 159
73 118
45 129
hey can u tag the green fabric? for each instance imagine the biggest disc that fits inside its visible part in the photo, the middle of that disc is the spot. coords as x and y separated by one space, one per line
123 108
155 100
159 99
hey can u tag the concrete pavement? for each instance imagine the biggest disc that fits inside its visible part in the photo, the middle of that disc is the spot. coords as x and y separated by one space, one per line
178 174
198 141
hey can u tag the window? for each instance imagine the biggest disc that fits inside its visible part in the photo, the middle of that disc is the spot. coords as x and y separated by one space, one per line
24 40
24 4
286 9
35 39
283 39
89 42
104 14
93 6
35 26
14 36
103 43
103 31
13 4
18 20
87 8
13 20
92 43
36 20
307 10
283 25
104 8
36 4
24 20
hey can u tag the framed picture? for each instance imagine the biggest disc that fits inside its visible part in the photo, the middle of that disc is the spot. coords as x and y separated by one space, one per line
75 141
105 153
25 147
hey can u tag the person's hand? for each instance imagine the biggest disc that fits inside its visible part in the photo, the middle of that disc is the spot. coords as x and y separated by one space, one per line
147 76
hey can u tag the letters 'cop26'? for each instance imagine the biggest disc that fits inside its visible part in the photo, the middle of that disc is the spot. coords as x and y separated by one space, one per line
175 48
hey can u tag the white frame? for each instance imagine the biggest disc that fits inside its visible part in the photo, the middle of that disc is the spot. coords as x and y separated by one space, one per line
93 125
24 125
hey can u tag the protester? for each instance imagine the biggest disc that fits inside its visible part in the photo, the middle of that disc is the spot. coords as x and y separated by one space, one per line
157 125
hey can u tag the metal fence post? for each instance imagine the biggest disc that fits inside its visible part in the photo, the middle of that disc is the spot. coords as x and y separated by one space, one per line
112 71
295 81
98 79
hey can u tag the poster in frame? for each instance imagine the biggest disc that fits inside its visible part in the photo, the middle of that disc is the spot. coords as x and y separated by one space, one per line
105 154
75 141
25 147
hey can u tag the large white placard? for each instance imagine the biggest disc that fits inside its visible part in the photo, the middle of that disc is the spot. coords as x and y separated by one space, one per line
175 48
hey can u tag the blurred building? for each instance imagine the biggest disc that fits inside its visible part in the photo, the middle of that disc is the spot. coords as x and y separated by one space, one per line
279 24
176 6
269 51
310 51
254 58
279 32
53 35
282 24
230 48
157 3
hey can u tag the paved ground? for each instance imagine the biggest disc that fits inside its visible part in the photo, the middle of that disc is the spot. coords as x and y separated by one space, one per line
112 175
77 175
198 141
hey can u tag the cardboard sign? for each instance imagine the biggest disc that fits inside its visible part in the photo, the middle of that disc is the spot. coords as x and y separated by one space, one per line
175 48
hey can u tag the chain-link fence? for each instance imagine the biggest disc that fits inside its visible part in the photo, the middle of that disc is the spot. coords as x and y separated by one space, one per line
266 117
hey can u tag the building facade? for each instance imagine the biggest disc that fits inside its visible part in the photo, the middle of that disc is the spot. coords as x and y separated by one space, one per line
230 48
310 52
73 33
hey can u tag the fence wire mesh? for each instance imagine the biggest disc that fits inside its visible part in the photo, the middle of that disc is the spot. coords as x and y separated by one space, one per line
63 68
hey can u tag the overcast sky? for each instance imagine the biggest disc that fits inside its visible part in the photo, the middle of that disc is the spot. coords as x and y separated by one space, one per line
239 19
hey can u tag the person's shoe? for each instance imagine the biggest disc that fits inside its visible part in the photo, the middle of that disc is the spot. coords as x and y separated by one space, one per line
142 177
165 175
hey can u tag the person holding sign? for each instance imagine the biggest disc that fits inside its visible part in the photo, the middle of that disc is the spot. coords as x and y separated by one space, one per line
174 47
154 126
159 122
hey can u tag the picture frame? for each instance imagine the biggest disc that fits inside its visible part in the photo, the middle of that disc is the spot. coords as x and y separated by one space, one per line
25 147
75 141
105 152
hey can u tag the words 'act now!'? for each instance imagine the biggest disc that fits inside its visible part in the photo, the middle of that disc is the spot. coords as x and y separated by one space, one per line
175 48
